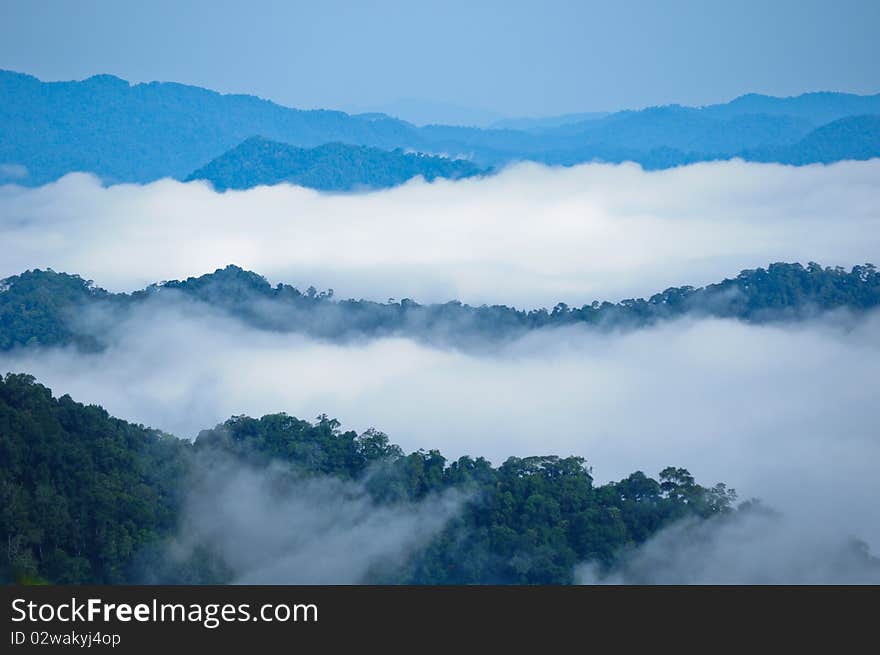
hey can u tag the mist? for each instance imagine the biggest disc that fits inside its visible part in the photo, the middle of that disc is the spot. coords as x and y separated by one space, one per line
529 236
785 412
749 547
271 527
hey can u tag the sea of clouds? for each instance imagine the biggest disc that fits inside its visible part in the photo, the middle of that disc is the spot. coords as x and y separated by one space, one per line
530 236
786 412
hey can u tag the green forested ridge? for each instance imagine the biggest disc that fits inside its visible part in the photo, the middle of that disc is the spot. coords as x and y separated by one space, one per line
48 308
85 497
329 167
38 308
81 493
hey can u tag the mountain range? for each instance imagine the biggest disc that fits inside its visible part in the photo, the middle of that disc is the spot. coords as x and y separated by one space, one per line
143 132
44 308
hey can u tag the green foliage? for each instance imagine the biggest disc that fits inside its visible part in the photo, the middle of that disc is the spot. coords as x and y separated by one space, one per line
87 498
80 492
37 308
319 448
534 518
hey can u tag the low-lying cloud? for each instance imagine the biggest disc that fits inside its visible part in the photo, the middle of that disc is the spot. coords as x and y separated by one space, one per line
529 236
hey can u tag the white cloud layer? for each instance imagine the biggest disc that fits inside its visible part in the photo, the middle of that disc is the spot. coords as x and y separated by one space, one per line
531 235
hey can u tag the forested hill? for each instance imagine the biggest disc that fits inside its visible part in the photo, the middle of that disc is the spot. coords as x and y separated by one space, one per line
143 132
46 308
330 167
87 498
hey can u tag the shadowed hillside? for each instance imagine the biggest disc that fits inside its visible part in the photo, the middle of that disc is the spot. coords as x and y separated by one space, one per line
330 167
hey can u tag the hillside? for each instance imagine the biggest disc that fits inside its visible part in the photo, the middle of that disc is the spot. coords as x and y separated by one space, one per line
88 498
330 167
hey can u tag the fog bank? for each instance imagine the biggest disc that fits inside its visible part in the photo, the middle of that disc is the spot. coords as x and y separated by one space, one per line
530 236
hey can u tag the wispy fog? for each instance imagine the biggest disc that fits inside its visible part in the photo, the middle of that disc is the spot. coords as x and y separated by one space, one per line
786 412
530 236
752 547
270 528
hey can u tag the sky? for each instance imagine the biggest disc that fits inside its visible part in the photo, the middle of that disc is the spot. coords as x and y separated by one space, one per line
457 60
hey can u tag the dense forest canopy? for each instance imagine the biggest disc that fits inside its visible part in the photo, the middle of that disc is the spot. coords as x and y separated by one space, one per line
87 498
53 309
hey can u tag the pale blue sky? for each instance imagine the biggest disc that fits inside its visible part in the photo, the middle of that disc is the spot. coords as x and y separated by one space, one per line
511 58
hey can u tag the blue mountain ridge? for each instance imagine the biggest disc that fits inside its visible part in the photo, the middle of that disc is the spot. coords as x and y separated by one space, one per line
142 132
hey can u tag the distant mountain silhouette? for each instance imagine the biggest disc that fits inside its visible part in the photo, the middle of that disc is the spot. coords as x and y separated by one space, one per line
853 137
818 108
543 123
419 111
143 132
687 129
330 167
